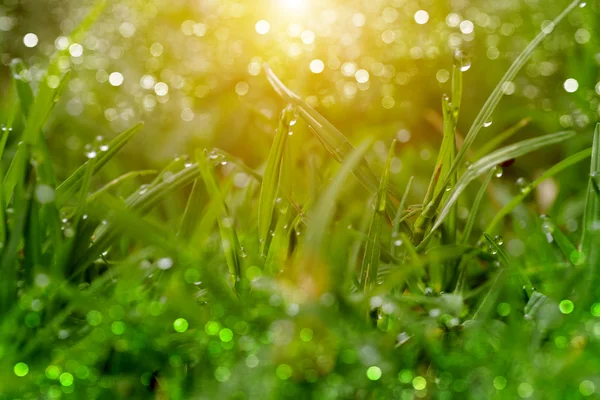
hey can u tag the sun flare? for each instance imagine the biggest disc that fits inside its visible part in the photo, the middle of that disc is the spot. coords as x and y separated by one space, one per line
293 6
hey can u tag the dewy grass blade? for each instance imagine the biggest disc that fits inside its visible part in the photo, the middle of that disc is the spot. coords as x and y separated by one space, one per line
485 164
191 214
47 215
400 215
239 163
475 208
511 264
324 209
272 177
8 260
450 113
62 254
69 187
370 265
591 218
229 239
496 141
561 166
139 203
331 138
567 248
117 181
497 94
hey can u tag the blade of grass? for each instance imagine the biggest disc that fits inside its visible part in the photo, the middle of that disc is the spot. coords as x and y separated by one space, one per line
46 215
567 248
324 209
475 208
272 177
591 218
561 166
191 214
449 112
497 94
497 140
63 253
117 181
139 203
511 264
485 164
8 262
239 163
229 238
331 138
69 187
370 265
399 215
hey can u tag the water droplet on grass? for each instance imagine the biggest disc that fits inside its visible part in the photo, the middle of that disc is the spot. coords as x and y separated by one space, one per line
164 263
523 185
498 171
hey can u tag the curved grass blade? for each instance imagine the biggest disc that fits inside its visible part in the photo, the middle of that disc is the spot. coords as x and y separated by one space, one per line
8 260
370 265
399 215
191 214
450 113
497 140
511 264
139 203
239 163
497 94
561 166
331 138
69 187
485 164
324 209
567 248
272 177
229 238
46 216
591 218
475 208
117 181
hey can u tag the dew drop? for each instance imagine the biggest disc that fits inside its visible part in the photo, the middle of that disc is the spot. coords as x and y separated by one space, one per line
523 185
462 61
44 194
547 226
498 171
487 124
466 65
499 240
91 154
164 263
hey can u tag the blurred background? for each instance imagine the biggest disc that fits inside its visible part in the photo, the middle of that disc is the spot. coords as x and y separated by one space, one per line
192 70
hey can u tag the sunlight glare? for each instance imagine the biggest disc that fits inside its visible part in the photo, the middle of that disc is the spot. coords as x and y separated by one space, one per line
294 6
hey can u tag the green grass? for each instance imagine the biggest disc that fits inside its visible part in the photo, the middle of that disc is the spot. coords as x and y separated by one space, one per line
317 279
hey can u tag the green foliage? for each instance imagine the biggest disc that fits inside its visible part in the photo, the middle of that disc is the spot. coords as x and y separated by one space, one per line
308 276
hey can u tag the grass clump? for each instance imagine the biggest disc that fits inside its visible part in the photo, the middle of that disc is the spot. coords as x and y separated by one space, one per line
269 290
